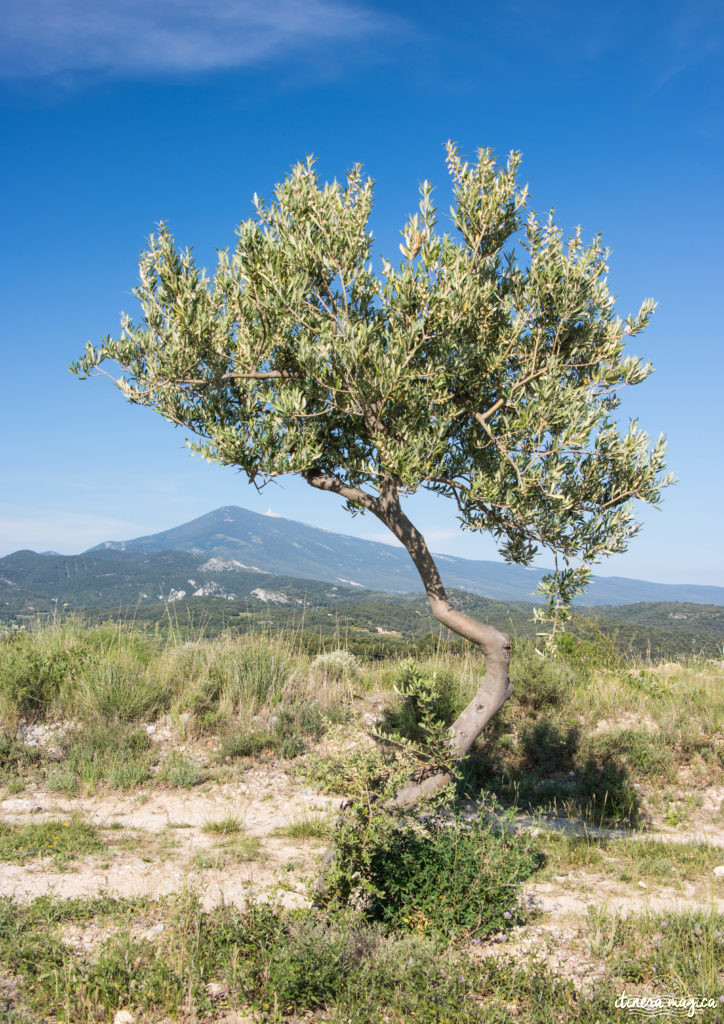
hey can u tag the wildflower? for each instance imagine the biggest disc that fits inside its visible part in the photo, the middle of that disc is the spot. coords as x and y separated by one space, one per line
507 915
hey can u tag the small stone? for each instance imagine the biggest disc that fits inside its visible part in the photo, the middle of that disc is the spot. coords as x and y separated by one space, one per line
559 878
124 1017
643 885
150 729
719 871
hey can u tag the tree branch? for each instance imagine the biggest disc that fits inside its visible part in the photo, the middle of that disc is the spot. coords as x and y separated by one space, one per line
348 491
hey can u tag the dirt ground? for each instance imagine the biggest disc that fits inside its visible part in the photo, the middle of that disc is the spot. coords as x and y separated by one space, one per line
263 800
161 840
159 843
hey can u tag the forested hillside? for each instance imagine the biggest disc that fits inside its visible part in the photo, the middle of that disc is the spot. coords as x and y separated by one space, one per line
193 592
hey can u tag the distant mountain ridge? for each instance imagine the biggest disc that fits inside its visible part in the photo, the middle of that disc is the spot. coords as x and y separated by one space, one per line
192 592
110 579
273 544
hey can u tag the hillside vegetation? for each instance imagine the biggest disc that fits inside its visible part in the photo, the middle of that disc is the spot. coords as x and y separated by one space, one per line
160 590
166 800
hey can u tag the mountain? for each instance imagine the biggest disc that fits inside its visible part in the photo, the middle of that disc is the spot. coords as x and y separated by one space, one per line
193 592
109 579
214 594
272 544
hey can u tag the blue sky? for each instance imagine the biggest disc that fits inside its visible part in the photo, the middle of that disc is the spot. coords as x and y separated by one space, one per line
117 116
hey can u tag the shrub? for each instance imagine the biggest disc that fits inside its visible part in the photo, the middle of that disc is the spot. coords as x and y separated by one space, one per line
252 672
15 758
682 950
425 704
606 790
118 693
539 681
431 874
180 771
648 756
284 731
587 645
41 667
32 669
228 679
335 664
439 875
117 755
245 744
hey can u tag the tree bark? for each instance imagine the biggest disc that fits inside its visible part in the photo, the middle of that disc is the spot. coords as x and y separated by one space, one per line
495 687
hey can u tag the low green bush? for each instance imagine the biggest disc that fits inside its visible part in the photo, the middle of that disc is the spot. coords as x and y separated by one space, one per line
180 771
246 744
117 693
33 668
437 875
604 793
276 965
681 951
102 754
334 666
585 645
540 682
41 669
285 731
422 697
15 759
647 755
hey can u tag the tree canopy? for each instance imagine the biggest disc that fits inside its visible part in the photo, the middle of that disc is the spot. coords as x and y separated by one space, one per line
485 365
465 369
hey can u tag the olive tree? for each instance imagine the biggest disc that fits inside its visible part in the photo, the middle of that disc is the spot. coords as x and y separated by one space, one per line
485 366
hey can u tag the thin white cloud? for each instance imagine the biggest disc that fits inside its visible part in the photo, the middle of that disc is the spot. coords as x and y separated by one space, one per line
694 37
132 37
66 532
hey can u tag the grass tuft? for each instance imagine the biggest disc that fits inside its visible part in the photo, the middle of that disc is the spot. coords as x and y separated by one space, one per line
223 826
63 841
180 771
308 827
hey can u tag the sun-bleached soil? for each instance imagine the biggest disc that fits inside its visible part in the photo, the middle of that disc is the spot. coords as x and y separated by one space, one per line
158 842
169 848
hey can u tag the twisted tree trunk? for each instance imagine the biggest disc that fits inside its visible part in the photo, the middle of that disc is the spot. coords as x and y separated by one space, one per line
495 686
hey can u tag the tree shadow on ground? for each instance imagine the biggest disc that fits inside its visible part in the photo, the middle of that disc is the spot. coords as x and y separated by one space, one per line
545 768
